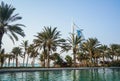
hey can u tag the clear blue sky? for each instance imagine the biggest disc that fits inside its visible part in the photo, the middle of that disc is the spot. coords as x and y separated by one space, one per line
98 18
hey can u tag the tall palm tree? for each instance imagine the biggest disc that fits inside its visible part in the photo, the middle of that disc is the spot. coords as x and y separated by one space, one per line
74 44
17 51
40 43
90 46
6 19
49 39
24 44
2 57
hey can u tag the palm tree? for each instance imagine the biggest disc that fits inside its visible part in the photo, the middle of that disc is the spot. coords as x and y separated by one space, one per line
82 57
90 46
104 51
33 54
40 43
96 55
24 44
42 59
29 49
74 44
10 57
17 51
49 39
114 51
118 52
6 19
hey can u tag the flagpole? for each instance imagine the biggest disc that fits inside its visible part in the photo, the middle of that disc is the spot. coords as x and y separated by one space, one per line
73 29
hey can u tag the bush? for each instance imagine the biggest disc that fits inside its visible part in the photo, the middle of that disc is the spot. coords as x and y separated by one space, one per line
115 63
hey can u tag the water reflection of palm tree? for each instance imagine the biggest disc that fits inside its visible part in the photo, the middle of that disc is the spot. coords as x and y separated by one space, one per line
74 75
104 74
44 76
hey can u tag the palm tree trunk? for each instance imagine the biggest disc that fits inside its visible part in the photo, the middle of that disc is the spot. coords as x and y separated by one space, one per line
44 62
13 62
16 62
91 59
1 36
44 57
33 62
103 59
117 57
24 59
9 62
2 61
27 60
74 59
74 55
48 60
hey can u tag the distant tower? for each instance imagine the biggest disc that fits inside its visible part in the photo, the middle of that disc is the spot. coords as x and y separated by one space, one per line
78 31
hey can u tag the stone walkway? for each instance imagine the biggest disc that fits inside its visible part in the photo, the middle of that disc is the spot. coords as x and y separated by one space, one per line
46 69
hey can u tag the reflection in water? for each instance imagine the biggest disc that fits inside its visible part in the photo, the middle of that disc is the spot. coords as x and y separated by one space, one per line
64 75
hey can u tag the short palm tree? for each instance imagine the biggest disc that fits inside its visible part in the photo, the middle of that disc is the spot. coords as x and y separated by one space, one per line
10 57
17 51
24 44
29 51
114 51
42 58
118 52
6 19
33 54
104 51
82 58
49 39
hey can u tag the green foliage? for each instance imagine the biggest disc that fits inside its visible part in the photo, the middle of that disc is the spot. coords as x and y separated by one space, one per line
7 17
115 63
68 60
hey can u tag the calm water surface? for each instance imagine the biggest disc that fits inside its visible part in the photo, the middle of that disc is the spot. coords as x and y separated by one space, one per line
64 75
